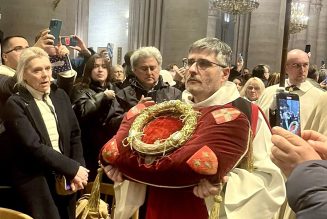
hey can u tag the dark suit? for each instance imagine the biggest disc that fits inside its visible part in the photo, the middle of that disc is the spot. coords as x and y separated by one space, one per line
307 190
34 159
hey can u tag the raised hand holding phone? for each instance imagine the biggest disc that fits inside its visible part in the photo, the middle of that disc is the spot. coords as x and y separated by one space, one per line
288 112
55 27
68 40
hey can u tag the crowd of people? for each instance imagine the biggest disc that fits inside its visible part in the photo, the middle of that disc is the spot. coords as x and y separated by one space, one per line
53 126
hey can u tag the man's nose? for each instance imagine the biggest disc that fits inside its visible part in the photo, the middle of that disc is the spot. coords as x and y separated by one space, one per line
44 72
193 67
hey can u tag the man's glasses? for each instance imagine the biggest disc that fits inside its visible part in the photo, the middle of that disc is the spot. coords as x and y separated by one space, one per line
200 63
16 49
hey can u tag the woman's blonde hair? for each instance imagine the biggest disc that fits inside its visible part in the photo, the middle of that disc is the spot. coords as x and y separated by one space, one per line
253 79
28 55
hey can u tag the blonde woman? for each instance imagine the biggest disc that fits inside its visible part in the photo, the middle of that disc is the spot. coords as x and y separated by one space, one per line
252 89
45 141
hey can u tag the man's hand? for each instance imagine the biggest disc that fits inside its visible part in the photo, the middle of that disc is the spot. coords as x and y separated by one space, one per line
147 101
81 47
110 94
46 40
289 150
61 50
113 173
81 178
180 74
239 66
205 188
317 141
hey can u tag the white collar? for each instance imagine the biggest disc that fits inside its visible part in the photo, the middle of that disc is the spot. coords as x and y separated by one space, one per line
37 94
226 94
304 86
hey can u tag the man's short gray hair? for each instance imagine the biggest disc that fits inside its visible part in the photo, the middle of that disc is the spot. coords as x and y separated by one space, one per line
28 55
213 45
146 52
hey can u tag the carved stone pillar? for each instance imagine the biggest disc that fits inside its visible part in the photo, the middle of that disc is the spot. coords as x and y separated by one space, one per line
213 18
313 27
321 51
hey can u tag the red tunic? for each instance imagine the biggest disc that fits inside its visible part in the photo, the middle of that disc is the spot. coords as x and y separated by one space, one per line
221 130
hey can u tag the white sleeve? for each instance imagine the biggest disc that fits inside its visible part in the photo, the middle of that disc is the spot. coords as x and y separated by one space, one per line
68 74
258 194
267 100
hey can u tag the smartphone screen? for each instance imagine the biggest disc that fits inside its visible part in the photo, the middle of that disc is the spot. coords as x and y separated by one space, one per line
68 40
55 27
288 112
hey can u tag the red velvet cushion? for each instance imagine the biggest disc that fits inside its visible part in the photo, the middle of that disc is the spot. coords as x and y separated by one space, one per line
224 131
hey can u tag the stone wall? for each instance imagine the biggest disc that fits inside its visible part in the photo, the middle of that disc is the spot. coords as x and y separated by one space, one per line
184 21
27 18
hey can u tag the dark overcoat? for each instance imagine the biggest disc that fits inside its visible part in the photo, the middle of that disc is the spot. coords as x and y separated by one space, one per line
33 160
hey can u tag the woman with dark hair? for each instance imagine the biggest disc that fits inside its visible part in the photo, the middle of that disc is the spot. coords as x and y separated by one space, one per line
262 72
274 79
91 100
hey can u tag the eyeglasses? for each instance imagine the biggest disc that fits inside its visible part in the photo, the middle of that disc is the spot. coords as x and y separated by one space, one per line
299 65
200 63
119 72
252 87
16 49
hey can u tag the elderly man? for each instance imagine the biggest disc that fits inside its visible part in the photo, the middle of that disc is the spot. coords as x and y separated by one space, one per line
147 85
297 66
146 64
257 188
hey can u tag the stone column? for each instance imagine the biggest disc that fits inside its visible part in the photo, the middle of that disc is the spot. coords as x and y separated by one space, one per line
266 34
321 50
27 18
313 27
183 22
241 38
213 18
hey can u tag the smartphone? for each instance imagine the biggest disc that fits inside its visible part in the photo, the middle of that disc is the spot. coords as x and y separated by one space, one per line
288 112
55 27
184 62
240 57
307 48
68 40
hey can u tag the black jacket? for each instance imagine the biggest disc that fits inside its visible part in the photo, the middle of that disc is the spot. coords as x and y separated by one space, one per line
33 159
91 107
129 96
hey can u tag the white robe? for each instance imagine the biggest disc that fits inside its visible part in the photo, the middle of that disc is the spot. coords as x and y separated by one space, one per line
249 195
256 195
318 119
308 94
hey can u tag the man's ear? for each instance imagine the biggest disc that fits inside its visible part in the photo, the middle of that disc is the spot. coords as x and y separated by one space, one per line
4 58
226 72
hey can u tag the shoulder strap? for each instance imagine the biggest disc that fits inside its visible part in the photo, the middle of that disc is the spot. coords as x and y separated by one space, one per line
250 110
254 118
